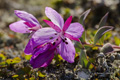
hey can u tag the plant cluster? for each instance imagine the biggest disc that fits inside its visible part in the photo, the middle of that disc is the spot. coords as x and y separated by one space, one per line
49 44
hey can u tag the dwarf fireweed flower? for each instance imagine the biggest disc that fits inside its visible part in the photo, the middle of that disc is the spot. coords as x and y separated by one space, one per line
43 54
60 30
27 24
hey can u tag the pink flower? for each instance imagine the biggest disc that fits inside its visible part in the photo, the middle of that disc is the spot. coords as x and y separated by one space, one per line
64 31
28 23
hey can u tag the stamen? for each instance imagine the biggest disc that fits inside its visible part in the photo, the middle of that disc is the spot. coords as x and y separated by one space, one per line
51 37
66 42
63 40
54 43
55 33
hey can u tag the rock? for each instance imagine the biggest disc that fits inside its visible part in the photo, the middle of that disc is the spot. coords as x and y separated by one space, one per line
112 58
117 56
101 55
84 75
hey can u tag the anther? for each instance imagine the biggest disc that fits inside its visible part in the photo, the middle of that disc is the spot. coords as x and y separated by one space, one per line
66 42
55 33
63 40
51 37
54 43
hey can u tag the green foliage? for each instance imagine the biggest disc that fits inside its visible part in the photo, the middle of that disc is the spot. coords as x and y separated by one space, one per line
15 76
28 57
103 20
83 16
41 74
13 61
23 71
117 41
84 61
2 57
82 20
101 32
58 59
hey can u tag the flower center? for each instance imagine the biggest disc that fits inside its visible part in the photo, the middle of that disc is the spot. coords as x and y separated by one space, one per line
62 34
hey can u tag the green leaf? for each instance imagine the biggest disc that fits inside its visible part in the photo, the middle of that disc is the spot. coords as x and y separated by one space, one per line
13 61
57 59
83 16
82 39
2 57
83 58
28 57
3 64
84 61
117 41
16 60
81 20
41 74
9 61
15 76
101 32
103 20
32 78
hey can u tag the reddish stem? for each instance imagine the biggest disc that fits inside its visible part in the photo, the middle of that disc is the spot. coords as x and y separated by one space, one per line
114 46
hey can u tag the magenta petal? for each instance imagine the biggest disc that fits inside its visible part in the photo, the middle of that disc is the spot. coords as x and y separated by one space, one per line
41 49
67 50
42 60
47 62
19 27
52 25
29 48
75 29
27 17
29 24
71 37
54 16
67 23
44 35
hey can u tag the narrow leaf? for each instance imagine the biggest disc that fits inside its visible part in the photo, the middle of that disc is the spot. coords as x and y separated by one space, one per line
101 32
41 74
15 76
84 61
103 20
83 16
81 20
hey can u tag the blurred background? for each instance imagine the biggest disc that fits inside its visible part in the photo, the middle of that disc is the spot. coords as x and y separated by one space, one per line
12 44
